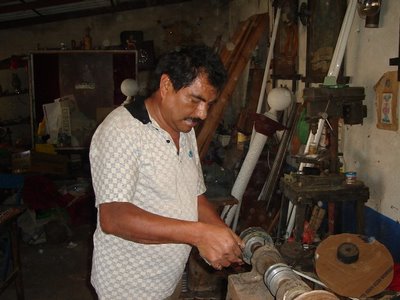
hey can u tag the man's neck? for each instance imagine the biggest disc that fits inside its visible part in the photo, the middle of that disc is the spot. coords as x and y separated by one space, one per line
153 104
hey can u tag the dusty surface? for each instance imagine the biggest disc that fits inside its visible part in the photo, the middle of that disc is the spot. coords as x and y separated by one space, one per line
57 271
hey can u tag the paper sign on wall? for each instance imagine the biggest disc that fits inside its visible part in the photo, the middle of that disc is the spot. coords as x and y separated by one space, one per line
386 90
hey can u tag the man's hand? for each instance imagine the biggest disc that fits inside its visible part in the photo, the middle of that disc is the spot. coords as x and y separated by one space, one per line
219 246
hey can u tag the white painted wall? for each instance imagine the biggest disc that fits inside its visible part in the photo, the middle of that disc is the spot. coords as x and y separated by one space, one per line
372 152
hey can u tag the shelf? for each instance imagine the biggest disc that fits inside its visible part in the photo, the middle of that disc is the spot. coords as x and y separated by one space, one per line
23 92
18 121
14 62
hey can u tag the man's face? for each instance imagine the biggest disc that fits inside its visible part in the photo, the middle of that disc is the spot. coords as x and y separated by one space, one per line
184 109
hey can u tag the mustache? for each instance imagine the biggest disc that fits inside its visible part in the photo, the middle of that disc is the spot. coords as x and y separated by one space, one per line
196 120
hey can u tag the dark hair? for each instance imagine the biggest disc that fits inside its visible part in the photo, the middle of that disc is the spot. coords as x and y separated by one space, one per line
183 67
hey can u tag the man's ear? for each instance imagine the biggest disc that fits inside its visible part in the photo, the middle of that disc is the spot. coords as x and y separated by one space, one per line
165 84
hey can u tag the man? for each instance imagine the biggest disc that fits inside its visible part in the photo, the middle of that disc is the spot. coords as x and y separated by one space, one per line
149 186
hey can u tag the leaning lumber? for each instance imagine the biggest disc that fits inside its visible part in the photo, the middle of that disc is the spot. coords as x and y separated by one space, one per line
235 62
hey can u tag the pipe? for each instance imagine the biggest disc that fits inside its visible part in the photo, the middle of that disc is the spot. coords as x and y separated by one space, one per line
338 54
243 178
267 66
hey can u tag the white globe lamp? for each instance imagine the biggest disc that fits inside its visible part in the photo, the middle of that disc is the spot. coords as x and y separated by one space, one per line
130 88
278 99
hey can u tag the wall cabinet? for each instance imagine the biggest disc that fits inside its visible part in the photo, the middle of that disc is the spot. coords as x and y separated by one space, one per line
15 126
92 79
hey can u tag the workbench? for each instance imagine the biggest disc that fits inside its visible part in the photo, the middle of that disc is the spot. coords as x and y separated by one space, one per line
304 191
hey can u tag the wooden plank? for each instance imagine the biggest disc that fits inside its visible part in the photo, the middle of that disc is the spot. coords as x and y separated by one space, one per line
245 122
205 134
227 50
241 44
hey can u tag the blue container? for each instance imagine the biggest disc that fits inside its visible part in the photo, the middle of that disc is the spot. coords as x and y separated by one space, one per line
351 177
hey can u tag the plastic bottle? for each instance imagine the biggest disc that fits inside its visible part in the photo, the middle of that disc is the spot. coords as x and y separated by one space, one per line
87 40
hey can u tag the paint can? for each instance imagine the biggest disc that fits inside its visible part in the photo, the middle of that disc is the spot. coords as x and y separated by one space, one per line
351 177
312 149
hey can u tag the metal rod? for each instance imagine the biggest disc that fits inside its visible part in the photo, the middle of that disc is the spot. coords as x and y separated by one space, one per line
267 66
338 54
270 184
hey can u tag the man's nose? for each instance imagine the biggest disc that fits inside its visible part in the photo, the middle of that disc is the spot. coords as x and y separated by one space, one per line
201 111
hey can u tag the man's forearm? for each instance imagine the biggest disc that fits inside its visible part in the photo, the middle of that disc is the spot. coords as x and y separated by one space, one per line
130 222
207 212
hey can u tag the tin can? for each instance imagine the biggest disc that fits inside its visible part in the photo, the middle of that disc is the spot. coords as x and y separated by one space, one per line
351 177
312 149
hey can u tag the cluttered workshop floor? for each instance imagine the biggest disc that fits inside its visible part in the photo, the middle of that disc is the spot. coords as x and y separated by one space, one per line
57 271
61 270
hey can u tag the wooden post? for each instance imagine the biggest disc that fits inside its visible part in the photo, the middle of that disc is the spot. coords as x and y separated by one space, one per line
236 62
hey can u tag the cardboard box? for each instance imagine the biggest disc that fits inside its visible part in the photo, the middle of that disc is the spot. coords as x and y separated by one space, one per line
37 162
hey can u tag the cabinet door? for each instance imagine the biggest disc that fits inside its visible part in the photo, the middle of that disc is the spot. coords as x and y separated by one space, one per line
92 79
15 126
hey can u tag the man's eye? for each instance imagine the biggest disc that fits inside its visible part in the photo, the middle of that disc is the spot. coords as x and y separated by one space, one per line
195 100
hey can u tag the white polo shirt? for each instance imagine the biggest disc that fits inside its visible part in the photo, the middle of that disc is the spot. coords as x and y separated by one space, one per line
138 163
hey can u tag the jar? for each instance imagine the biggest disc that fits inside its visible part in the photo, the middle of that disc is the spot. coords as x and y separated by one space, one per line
351 177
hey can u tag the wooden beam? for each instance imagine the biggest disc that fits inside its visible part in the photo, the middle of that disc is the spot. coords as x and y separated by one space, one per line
242 54
229 48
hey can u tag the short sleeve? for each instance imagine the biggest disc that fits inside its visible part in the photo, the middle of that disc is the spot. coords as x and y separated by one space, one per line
114 164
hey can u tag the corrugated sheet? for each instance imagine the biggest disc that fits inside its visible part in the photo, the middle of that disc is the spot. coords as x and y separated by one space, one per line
72 7
29 12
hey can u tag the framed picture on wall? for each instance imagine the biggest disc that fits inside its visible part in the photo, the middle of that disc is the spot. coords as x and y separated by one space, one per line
386 101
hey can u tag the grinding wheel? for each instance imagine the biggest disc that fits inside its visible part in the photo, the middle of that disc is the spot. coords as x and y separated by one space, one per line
354 266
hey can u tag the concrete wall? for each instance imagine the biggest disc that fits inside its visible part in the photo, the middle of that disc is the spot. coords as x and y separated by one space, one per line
370 151
373 152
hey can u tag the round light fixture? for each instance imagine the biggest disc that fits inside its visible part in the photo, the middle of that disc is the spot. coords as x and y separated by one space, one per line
129 87
279 99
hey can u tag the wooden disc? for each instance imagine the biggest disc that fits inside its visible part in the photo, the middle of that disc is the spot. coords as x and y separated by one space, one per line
369 275
317 295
